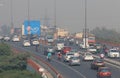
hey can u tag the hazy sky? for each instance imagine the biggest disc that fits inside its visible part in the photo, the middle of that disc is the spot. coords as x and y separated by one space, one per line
69 13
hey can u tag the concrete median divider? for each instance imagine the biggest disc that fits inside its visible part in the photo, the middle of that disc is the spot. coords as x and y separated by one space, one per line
39 69
109 61
106 60
46 65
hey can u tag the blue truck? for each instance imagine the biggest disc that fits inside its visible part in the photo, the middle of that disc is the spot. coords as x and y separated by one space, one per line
33 26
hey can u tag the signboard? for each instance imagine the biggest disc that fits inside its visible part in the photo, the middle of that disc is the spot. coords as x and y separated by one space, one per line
32 27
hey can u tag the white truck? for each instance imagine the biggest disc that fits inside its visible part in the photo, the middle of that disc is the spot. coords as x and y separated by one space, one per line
113 53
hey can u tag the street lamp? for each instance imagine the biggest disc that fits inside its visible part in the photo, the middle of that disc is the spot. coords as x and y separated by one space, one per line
29 28
11 9
85 24
55 13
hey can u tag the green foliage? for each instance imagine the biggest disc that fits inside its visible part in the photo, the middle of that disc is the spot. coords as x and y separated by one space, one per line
14 65
19 74
5 49
106 34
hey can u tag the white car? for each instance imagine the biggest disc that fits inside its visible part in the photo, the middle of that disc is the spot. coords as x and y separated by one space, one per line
15 39
74 61
113 53
26 43
88 56
59 46
6 38
92 49
35 42
68 56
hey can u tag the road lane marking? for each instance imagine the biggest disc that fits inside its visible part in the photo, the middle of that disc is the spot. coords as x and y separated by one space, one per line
83 76
113 65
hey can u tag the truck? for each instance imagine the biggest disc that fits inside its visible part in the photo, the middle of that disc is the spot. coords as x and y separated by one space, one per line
91 39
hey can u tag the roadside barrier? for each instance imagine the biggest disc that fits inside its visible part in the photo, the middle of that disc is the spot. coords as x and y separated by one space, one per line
43 63
54 71
107 60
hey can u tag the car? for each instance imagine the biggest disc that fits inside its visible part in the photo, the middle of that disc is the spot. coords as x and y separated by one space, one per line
67 56
26 43
104 72
15 38
1 37
76 52
98 46
51 49
66 49
59 46
74 61
6 38
35 42
97 63
88 56
113 53
92 49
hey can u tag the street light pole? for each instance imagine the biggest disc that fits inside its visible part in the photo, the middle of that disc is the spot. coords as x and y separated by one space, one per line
11 13
85 23
55 15
29 28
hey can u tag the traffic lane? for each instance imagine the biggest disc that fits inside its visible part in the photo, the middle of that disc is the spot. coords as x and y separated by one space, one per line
61 67
115 70
84 68
66 71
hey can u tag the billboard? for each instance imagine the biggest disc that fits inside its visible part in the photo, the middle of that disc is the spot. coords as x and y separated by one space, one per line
31 27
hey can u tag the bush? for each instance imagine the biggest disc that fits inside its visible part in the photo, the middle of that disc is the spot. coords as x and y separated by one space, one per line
5 49
19 74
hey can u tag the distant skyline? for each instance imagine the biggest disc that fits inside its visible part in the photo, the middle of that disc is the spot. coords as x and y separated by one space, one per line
69 13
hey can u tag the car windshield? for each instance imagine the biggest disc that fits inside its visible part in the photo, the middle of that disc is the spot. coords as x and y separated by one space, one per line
26 40
114 51
70 54
74 58
99 60
88 54
105 70
50 47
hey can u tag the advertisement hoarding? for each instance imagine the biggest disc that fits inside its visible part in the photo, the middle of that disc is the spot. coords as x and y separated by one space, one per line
33 26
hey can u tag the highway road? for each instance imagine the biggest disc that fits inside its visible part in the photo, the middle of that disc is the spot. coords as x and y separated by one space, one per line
82 71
